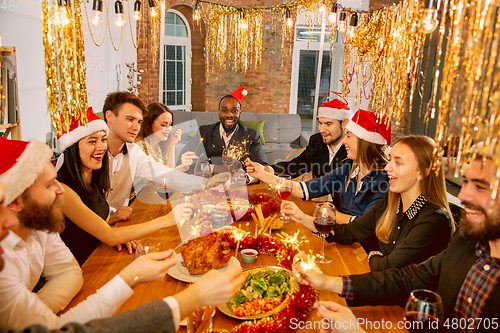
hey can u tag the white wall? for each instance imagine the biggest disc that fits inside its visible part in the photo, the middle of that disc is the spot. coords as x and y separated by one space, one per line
22 28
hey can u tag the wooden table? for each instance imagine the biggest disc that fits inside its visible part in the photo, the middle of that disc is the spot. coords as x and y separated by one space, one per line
106 262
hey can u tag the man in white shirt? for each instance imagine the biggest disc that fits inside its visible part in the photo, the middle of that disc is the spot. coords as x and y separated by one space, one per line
123 113
34 249
160 315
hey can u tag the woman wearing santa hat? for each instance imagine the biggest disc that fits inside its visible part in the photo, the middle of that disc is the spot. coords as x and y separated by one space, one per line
412 222
84 175
361 181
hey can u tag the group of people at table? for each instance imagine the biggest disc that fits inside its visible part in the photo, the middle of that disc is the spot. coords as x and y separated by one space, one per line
389 199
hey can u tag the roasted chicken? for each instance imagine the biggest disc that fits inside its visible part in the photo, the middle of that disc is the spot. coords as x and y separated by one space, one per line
205 253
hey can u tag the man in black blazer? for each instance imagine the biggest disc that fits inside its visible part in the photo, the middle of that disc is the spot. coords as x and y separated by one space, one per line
227 132
325 150
466 275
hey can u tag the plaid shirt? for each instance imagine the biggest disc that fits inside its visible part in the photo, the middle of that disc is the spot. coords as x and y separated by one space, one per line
347 292
477 286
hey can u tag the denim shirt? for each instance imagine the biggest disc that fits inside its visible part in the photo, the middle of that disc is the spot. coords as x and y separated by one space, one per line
375 186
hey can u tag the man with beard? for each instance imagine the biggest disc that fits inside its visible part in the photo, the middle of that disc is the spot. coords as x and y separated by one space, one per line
325 151
465 275
227 132
155 316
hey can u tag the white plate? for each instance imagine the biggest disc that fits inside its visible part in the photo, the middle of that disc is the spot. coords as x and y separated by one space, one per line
181 273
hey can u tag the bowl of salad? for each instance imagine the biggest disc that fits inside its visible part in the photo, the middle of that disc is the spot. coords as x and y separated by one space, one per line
264 293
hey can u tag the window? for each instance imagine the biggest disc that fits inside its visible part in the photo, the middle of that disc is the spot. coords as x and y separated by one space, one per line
175 84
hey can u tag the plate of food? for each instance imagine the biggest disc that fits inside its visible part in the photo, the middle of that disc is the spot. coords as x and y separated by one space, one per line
199 255
264 293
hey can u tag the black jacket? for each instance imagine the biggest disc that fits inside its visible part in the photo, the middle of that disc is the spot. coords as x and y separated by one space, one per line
214 144
314 159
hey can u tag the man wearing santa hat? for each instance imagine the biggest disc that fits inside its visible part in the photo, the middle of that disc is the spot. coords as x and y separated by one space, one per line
325 151
33 249
227 132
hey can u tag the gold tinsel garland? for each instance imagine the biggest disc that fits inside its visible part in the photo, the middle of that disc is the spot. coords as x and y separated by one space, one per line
468 109
64 63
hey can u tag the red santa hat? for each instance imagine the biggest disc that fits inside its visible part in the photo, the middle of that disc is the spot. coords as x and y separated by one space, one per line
239 93
370 126
77 131
21 164
335 109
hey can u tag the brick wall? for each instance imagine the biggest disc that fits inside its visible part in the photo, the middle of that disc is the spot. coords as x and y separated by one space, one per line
268 85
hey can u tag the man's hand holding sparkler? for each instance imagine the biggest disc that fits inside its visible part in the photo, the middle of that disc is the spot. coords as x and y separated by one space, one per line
307 272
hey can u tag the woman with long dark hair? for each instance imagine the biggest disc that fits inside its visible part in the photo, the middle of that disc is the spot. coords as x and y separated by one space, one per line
412 222
84 175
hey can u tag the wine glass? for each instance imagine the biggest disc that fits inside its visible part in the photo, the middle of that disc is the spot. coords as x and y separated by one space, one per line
188 197
424 310
147 245
203 169
324 219
228 157
163 189
283 190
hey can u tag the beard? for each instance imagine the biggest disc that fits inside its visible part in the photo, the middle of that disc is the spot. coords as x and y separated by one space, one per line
334 140
226 128
488 231
47 218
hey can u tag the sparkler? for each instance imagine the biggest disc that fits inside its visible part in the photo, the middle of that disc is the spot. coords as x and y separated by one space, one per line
201 140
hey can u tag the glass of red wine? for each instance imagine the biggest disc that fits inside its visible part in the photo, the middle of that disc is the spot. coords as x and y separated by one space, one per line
202 169
163 189
424 310
283 190
324 219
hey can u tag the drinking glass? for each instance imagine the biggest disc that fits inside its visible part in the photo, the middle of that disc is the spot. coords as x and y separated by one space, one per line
283 190
203 169
163 189
424 310
228 157
147 245
324 219
188 197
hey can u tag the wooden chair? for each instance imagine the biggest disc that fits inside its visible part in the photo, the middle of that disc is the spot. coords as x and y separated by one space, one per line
293 153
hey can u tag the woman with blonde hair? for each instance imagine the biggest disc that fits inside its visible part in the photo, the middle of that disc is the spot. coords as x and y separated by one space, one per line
412 222
361 181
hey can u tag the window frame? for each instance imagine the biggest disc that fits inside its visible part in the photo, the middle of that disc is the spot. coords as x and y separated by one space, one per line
177 41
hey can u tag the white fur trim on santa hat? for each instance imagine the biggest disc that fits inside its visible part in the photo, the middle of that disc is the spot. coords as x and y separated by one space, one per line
332 113
26 170
67 139
244 92
364 134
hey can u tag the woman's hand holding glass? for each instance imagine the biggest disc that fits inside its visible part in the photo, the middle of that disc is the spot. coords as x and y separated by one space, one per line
290 209
183 211
131 246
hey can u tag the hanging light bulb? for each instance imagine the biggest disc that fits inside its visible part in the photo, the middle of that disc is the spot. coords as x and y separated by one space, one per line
119 20
152 7
288 17
97 19
62 17
243 21
429 17
137 10
353 23
342 23
333 14
196 12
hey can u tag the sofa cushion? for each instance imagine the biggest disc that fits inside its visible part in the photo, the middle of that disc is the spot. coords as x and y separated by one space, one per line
258 125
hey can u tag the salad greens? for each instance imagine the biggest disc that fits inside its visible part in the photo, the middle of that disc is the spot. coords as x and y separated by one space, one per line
263 284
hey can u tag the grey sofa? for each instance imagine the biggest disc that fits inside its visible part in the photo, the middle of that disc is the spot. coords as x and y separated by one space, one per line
282 132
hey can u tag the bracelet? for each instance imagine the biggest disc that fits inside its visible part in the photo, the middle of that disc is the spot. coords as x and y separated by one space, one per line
374 253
